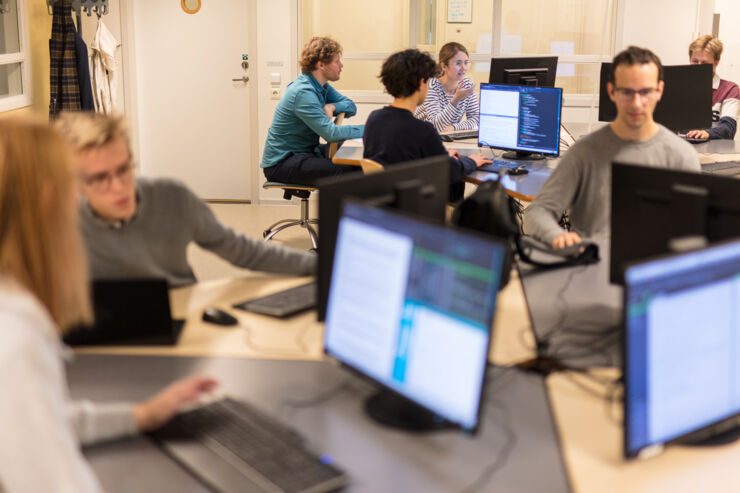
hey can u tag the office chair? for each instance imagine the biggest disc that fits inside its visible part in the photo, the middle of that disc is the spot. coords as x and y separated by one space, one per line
303 192
369 166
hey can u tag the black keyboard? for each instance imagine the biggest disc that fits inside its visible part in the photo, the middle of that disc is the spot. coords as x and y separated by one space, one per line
269 453
498 164
726 168
460 135
283 303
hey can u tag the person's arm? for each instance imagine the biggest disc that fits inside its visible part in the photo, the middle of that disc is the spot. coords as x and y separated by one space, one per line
437 111
459 167
241 251
725 129
39 450
472 113
310 110
541 217
342 104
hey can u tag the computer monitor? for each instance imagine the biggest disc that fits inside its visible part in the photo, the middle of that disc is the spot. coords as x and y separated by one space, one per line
652 206
524 71
418 187
411 307
521 119
682 350
687 97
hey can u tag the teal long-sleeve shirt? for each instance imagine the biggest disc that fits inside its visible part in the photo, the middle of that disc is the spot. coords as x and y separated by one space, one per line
300 120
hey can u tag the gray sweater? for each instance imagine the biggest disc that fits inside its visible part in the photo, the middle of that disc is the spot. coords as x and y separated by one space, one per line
153 244
581 183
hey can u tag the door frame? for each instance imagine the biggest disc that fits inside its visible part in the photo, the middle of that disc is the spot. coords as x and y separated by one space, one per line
130 88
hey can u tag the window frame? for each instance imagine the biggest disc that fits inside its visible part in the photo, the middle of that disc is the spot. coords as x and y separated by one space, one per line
582 100
22 56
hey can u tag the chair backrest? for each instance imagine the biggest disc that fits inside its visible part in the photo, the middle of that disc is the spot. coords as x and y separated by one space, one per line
369 166
335 145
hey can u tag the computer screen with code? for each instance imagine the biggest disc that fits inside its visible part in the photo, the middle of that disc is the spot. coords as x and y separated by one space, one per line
682 345
411 306
520 118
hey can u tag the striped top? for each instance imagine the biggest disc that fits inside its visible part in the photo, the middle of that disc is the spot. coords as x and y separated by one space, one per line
438 110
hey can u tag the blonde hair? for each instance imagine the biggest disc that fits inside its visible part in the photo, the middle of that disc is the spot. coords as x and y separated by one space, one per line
40 243
90 130
318 50
708 43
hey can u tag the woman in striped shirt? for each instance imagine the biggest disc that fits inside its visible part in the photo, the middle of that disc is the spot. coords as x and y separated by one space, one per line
451 96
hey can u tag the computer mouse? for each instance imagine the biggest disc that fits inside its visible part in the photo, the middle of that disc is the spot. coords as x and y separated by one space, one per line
217 316
693 140
519 170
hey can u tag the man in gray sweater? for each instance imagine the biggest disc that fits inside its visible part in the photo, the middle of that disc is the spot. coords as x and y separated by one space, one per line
141 228
581 183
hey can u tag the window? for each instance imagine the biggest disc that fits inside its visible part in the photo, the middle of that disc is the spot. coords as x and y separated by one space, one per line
580 32
15 71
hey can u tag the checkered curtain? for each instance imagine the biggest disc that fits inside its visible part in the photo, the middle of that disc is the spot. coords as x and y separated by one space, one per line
65 87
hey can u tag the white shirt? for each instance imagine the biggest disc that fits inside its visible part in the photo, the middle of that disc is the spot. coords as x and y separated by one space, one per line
104 69
42 429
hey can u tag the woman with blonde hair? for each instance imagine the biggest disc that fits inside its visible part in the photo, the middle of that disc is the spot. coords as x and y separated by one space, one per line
43 291
451 103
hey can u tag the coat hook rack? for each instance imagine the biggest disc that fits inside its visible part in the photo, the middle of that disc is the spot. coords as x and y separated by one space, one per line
97 7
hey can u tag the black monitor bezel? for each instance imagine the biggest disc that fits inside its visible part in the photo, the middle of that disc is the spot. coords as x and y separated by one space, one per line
698 432
500 64
559 126
631 181
683 106
433 170
487 238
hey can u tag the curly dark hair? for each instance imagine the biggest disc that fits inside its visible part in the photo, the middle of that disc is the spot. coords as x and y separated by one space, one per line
402 71
634 55
318 50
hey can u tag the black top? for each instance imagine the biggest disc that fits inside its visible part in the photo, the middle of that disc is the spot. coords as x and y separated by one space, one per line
393 135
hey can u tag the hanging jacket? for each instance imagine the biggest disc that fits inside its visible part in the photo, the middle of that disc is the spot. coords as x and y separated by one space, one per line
104 69
64 84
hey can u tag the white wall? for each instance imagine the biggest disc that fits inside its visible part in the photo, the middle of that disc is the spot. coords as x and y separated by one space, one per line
277 39
664 26
729 33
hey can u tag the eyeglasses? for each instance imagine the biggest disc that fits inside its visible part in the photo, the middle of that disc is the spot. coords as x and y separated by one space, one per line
101 182
462 63
626 94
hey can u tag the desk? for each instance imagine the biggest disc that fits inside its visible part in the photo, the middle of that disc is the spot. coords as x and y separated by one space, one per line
523 187
576 310
591 430
517 431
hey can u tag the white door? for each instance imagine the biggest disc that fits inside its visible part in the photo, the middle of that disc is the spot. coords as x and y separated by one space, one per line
193 119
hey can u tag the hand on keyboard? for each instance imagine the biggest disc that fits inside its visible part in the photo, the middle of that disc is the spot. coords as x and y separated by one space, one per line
479 159
155 412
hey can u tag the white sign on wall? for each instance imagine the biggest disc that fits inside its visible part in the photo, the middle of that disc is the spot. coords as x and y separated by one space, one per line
459 11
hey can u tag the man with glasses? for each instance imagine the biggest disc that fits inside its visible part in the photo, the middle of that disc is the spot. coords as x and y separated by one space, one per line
140 228
581 183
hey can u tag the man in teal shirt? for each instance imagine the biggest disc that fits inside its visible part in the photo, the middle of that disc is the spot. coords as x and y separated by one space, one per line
292 151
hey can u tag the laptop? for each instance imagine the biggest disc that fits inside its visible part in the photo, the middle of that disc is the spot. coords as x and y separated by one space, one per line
129 312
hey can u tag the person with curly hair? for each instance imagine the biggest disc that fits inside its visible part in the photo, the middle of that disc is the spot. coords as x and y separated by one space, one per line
292 152
393 135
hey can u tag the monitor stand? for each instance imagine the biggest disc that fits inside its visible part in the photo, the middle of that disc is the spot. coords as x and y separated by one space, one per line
394 411
522 155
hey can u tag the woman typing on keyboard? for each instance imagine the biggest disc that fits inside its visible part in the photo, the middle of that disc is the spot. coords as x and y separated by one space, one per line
43 291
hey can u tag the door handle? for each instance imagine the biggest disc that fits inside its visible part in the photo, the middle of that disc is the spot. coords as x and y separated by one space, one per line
244 79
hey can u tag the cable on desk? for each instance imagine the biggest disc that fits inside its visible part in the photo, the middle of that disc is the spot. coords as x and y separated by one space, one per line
500 460
278 352
318 399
